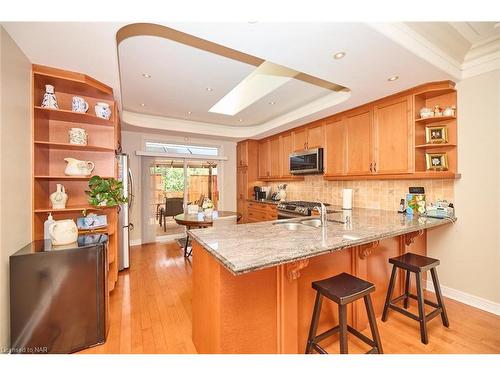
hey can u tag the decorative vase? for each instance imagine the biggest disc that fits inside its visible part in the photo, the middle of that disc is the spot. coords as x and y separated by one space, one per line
103 110
59 198
282 194
63 232
78 136
49 98
208 212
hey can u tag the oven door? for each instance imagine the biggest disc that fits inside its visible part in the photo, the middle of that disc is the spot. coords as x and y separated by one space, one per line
307 162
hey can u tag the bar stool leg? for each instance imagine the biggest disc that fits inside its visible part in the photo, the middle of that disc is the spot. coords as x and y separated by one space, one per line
389 293
421 309
314 322
373 323
439 297
407 290
343 328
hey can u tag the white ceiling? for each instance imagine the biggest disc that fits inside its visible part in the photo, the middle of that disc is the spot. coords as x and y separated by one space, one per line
180 76
374 52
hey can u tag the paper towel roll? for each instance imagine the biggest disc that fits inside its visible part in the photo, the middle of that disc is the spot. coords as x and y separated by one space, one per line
347 199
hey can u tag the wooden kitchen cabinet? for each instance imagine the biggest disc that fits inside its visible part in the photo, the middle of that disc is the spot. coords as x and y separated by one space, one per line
359 142
392 133
335 150
261 212
242 154
264 167
274 157
285 151
309 137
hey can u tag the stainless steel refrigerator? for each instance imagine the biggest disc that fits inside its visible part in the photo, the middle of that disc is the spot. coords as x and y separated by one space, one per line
124 225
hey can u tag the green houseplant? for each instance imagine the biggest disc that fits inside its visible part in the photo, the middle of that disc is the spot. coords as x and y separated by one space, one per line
105 192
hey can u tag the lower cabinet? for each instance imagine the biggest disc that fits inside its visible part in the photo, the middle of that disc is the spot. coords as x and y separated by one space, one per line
257 212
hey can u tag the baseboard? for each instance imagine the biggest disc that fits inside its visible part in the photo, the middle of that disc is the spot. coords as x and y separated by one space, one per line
135 242
468 299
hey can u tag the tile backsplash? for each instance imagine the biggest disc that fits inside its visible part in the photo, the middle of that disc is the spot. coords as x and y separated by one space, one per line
376 194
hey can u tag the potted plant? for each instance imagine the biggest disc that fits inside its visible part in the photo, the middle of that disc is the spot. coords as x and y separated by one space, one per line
208 207
107 192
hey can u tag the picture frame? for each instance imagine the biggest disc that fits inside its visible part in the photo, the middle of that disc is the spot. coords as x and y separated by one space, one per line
436 162
436 134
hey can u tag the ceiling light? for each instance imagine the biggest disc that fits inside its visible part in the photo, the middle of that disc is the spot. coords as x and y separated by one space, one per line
240 120
146 75
339 55
272 103
189 112
209 89
393 78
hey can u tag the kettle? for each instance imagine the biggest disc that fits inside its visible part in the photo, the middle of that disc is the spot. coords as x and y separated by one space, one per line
75 167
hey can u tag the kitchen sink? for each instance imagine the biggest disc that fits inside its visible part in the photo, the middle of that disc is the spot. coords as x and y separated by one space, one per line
290 226
316 223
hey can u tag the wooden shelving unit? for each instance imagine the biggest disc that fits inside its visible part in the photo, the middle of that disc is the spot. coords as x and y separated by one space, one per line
51 146
444 96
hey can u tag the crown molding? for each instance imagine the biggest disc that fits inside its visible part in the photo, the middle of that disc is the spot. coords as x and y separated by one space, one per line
313 111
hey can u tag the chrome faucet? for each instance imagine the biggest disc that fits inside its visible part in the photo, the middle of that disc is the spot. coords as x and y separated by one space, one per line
322 213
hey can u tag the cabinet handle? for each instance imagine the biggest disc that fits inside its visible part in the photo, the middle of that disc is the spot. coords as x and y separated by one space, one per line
375 167
371 167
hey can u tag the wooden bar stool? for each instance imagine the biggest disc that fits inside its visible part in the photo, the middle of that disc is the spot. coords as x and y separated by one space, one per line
417 264
343 289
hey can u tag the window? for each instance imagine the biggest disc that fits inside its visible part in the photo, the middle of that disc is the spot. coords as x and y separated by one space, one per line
171 148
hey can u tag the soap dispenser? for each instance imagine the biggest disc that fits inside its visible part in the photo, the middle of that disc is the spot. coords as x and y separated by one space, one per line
46 225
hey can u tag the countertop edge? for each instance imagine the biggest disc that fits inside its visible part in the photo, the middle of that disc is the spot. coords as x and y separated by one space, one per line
350 243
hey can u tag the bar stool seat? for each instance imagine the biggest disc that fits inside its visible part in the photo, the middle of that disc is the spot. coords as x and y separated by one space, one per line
417 264
343 289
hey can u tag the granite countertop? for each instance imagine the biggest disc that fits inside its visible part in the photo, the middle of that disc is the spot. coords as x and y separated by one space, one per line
244 248
265 201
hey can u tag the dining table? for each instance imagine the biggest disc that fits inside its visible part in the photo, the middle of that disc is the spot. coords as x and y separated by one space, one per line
200 220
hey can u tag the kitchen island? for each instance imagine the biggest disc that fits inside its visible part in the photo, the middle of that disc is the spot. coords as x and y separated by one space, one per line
252 283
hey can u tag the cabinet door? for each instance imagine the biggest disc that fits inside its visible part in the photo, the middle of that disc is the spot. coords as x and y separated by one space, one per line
242 184
335 147
359 142
299 140
264 159
286 150
392 134
274 157
242 154
316 136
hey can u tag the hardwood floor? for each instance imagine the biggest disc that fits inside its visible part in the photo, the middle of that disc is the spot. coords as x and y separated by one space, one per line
150 312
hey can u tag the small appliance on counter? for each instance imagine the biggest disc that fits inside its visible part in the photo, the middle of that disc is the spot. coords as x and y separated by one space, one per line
293 209
261 192
440 210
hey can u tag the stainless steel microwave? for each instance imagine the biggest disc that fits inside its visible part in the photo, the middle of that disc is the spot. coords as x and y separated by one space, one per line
307 161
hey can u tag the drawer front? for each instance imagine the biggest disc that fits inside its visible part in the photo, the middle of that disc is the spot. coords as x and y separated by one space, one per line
257 215
257 206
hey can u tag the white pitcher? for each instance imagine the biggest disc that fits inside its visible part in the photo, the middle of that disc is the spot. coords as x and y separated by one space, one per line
63 232
75 167
103 110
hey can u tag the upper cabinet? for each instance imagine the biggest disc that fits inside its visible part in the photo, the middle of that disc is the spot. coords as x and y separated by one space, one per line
385 139
335 153
359 142
393 136
242 154
312 136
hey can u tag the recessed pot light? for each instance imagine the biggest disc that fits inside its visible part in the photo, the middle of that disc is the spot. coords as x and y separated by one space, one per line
209 89
143 105
240 120
146 75
272 103
393 78
189 112
339 55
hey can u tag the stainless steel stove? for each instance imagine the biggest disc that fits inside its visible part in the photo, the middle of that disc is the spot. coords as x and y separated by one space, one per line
287 210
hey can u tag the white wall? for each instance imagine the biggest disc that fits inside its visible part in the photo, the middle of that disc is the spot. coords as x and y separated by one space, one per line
470 249
133 141
15 165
